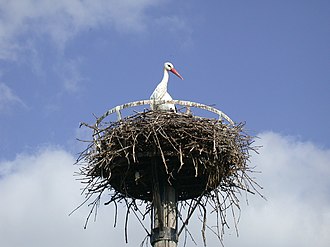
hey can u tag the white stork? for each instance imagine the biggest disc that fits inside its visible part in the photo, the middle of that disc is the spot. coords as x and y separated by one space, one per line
161 93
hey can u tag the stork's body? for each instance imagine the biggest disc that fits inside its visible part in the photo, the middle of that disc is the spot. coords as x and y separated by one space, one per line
161 93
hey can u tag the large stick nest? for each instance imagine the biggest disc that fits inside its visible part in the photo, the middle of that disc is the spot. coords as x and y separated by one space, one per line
196 154
199 157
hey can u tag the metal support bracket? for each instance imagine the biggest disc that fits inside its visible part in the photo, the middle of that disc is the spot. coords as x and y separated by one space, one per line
167 233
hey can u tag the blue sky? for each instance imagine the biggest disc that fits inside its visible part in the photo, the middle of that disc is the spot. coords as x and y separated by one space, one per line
263 62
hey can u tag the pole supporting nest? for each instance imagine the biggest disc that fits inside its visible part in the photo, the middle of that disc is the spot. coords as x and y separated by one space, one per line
164 221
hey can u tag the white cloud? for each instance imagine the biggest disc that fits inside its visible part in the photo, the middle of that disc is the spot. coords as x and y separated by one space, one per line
8 98
61 20
295 176
38 191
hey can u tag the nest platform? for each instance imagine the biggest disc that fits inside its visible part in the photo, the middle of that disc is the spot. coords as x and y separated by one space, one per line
196 155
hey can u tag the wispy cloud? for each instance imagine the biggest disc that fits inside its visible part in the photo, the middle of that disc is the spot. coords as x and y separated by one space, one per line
38 191
37 33
8 98
61 20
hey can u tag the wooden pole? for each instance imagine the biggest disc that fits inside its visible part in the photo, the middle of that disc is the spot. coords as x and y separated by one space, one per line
164 231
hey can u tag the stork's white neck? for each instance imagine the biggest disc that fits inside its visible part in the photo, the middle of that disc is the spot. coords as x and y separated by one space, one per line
161 88
165 78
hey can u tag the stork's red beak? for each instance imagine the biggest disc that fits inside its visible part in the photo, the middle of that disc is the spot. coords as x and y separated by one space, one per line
173 70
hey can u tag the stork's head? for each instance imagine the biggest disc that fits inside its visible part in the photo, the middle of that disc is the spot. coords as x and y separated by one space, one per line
169 67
